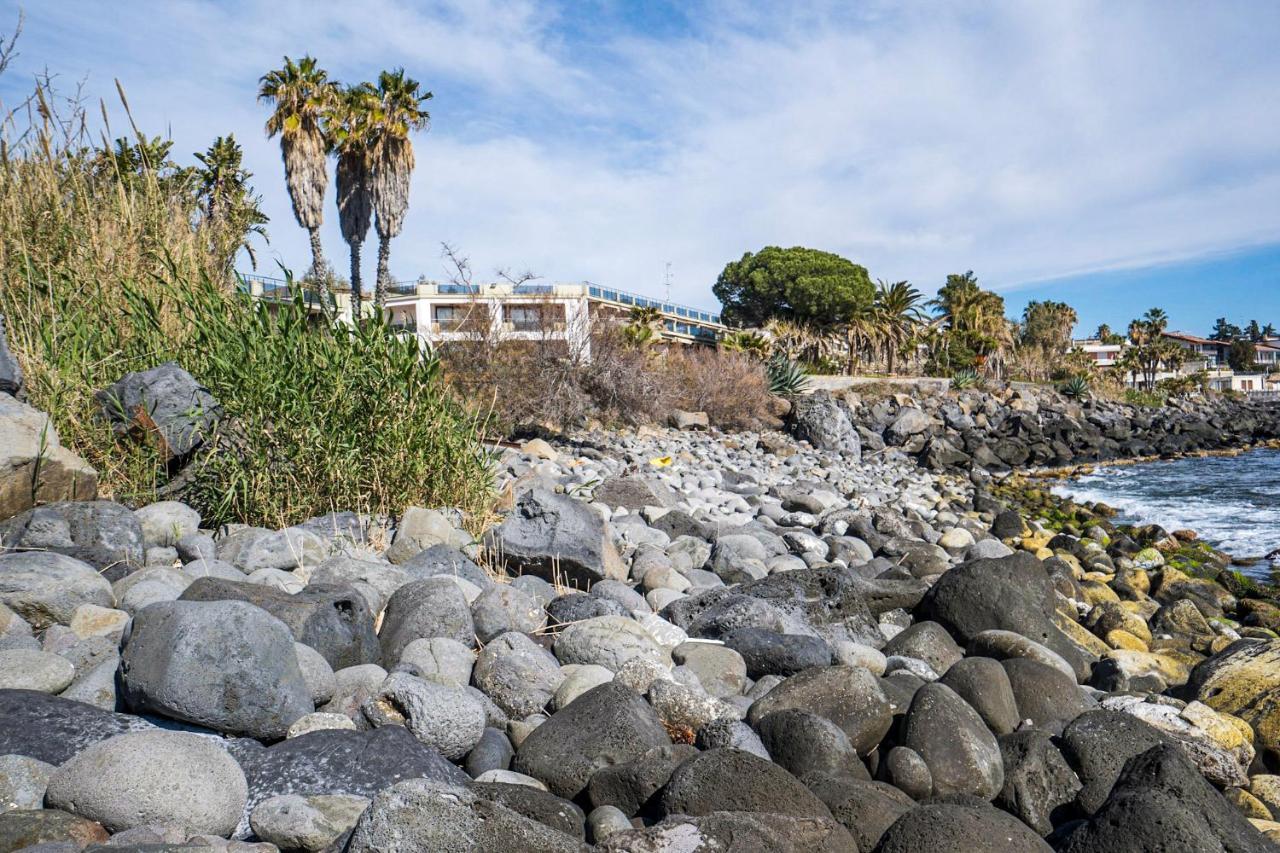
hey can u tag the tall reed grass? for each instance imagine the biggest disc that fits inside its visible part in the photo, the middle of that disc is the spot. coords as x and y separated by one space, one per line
106 269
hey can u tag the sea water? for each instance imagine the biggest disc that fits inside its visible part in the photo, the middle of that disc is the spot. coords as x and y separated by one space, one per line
1233 502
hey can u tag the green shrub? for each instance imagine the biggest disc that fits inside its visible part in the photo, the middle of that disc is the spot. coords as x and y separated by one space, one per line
1150 399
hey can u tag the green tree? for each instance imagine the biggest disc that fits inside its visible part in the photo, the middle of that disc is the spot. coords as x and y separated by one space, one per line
1048 325
1224 331
351 130
1268 331
400 112
1242 356
798 285
1253 331
232 212
972 323
302 95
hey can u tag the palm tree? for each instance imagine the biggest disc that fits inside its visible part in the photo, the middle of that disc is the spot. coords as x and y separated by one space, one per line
399 113
897 314
302 94
350 127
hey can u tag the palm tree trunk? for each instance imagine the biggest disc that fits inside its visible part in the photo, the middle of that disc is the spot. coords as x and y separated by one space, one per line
319 269
357 287
384 259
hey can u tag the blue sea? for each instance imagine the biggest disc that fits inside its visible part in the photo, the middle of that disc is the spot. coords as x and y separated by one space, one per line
1233 502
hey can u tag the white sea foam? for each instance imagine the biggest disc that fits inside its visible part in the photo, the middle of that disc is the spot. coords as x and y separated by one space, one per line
1232 502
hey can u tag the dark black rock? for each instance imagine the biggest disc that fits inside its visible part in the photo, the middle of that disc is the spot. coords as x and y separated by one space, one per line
1044 694
770 653
829 599
165 403
1039 786
104 534
955 828
547 809
802 742
444 560
849 696
730 780
904 769
629 785
551 536
1098 743
333 620
983 683
1161 802
1008 593
606 725
431 607
819 420
54 730
579 606
961 753
343 762
47 830
493 752
865 808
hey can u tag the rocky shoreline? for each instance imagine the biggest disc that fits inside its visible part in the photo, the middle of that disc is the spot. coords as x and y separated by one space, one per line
866 634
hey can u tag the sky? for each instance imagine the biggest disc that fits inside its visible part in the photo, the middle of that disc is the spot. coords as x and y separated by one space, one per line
1110 155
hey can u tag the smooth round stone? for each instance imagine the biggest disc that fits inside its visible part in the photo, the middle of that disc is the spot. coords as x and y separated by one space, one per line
850 653
440 659
660 598
279 579
605 821
22 782
317 673
319 722
579 678
493 752
131 780
30 669
92 620
311 823
510 777
1003 645
956 539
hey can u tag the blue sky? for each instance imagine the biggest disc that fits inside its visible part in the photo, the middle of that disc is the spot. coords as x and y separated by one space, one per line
1112 156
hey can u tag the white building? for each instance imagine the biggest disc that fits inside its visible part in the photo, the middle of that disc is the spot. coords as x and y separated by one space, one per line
442 312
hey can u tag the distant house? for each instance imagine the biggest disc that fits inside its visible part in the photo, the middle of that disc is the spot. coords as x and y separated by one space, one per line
1212 353
1203 356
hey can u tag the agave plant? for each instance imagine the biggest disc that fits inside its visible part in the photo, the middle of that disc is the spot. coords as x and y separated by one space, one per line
753 344
965 379
786 378
1075 388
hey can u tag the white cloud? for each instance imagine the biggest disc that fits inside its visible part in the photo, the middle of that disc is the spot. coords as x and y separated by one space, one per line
1025 141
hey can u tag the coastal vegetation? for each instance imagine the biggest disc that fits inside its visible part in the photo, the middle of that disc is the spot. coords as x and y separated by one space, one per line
115 257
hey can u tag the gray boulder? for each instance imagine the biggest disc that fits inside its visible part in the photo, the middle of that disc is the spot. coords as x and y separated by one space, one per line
1039 785
310 824
608 641
634 493
32 669
23 781
46 588
103 534
224 664
420 814
167 522
946 827
519 675
130 781
819 420
432 607
555 537
10 370
501 608
333 620
730 780
734 831
963 757
165 403
53 729
447 719
849 696
606 725
30 453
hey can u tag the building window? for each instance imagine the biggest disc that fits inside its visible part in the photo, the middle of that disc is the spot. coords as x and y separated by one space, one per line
534 318
453 318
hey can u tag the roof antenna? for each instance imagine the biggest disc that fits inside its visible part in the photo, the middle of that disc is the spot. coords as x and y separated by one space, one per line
666 282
